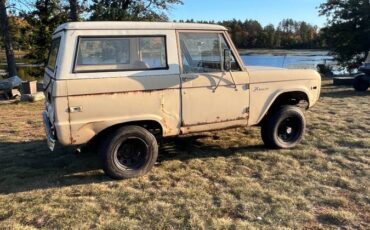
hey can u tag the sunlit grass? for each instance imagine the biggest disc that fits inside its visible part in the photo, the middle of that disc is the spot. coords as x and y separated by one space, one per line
225 179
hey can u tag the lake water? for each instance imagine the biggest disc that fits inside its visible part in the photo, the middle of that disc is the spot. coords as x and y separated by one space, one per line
291 59
290 62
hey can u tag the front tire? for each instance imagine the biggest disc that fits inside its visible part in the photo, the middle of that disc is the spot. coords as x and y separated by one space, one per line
284 128
129 152
360 84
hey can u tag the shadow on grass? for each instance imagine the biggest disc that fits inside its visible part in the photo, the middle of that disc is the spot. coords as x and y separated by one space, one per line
29 166
332 219
189 147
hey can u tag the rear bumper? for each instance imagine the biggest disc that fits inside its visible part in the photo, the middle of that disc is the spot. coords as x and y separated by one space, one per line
50 137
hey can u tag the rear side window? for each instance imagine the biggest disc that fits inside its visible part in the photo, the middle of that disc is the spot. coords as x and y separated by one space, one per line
96 54
53 54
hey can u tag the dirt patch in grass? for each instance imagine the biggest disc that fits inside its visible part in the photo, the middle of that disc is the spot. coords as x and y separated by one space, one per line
217 180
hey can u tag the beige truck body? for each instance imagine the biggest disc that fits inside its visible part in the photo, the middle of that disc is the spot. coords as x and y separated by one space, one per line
82 101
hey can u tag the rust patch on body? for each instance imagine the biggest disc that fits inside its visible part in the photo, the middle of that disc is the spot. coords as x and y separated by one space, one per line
123 92
166 128
216 122
222 125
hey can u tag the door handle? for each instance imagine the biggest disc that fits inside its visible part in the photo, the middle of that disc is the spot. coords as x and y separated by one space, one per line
75 109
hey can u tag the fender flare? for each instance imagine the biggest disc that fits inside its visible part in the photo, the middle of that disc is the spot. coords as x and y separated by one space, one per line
95 128
279 93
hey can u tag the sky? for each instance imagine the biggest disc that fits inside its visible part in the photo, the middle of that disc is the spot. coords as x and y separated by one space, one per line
264 11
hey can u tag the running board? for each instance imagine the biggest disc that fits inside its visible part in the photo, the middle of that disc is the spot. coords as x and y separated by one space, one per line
213 126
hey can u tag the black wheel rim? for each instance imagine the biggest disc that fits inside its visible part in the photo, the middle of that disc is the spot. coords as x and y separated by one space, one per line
289 129
131 154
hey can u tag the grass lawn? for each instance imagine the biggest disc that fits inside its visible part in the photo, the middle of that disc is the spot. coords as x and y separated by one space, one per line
220 180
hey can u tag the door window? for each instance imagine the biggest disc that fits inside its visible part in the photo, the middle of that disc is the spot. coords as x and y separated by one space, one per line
203 52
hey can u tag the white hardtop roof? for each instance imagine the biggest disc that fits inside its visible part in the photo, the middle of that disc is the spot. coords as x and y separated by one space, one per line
118 25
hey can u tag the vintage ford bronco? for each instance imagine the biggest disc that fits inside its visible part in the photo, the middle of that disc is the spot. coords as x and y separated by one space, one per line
127 84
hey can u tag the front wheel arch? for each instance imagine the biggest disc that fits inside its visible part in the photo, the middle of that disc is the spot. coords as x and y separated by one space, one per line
293 98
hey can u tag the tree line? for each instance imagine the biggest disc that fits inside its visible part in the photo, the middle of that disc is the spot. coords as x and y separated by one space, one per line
32 29
27 32
28 25
288 34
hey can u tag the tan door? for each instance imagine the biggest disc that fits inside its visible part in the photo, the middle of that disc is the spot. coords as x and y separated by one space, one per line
211 96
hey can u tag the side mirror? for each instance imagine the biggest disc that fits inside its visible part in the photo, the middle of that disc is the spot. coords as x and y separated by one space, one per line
228 57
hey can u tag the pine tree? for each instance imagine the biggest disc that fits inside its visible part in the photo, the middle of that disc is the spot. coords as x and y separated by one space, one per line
348 30
131 10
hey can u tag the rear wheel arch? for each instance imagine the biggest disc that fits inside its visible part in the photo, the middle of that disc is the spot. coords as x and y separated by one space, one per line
152 126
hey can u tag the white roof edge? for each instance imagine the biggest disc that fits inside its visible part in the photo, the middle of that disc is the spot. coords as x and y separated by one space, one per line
119 25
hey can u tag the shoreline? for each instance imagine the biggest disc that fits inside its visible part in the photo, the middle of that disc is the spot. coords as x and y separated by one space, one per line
284 52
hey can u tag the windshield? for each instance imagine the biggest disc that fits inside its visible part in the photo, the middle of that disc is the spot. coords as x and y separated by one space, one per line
53 54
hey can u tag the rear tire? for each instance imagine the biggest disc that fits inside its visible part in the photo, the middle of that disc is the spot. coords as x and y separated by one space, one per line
129 152
360 84
284 128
